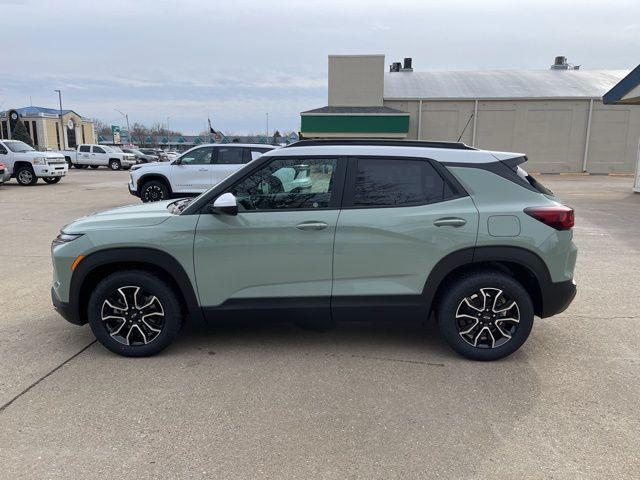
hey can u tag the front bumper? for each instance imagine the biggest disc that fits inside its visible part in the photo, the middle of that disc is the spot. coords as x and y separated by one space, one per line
51 170
132 189
557 297
65 309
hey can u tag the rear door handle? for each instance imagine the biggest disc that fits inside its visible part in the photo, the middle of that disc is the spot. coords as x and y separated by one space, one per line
311 226
202 170
450 222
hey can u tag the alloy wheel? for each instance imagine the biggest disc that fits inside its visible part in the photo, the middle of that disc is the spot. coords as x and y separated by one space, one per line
133 316
488 318
25 176
153 193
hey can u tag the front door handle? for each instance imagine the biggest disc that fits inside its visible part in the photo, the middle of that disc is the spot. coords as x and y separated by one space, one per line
311 226
450 222
202 170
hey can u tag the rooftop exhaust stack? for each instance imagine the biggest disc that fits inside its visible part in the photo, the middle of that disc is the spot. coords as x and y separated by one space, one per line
395 67
407 65
560 63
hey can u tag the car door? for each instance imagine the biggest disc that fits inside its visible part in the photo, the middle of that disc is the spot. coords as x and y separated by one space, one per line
227 159
400 217
83 156
191 173
98 156
277 251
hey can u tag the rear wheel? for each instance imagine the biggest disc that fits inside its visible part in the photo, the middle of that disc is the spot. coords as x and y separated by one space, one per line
25 176
485 316
114 164
134 313
51 180
154 191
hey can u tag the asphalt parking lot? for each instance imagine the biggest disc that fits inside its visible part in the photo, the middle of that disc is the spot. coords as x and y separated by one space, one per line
362 401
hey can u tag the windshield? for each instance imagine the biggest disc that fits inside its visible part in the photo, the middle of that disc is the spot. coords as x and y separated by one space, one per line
116 149
17 146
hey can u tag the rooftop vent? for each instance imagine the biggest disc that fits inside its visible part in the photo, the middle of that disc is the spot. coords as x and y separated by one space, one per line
402 67
560 63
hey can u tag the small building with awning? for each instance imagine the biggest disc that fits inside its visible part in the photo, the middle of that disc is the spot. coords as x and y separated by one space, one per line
627 92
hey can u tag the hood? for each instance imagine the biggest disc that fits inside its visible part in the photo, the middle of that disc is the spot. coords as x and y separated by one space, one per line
129 216
51 155
155 164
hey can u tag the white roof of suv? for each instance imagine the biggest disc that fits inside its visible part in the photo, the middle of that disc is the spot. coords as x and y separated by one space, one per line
440 151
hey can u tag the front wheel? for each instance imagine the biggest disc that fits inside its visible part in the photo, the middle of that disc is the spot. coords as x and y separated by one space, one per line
25 176
134 313
51 180
485 315
154 191
114 164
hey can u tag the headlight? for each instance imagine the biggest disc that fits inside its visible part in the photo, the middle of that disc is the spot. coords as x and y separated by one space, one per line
65 238
39 161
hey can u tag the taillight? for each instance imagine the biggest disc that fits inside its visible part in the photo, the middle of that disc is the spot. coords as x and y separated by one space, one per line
1 166
559 217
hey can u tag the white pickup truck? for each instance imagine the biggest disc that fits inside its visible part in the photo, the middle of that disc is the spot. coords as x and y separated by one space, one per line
26 165
95 156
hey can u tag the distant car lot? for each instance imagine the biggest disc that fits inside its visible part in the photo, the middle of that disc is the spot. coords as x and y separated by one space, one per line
387 401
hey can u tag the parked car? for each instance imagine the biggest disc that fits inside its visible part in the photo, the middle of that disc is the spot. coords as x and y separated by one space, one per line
94 156
3 173
388 230
193 172
157 152
141 157
27 165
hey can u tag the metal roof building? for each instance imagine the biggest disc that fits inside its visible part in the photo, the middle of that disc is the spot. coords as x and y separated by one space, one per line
556 116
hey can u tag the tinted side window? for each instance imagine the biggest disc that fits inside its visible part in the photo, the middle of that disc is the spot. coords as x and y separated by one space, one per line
253 153
85 148
394 182
229 156
98 150
288 184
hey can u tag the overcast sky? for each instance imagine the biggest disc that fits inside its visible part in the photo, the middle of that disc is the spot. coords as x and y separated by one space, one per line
236 60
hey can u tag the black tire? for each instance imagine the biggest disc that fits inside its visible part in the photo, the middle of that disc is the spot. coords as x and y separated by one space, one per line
485 327
52 180
78 166
25 176
68 162
94 166
115 164
154 191
105 326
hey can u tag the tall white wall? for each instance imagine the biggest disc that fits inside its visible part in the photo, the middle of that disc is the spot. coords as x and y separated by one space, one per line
552 133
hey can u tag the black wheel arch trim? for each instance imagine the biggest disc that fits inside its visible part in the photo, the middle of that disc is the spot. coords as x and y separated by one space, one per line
555 297
147 177
157 259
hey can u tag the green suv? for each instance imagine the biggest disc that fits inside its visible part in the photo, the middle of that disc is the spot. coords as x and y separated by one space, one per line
379 229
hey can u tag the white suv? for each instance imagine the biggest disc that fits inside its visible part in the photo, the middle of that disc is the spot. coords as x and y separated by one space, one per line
192 173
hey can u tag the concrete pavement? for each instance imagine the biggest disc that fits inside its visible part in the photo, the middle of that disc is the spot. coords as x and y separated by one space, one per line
362 401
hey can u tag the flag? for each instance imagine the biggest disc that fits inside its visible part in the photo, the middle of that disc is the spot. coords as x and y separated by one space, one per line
211 130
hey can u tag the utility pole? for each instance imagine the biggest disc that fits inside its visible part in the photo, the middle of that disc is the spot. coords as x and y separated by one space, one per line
267 126
127 117
168 129
62 145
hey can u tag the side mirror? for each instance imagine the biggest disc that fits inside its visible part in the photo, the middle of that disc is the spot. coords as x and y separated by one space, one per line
225 203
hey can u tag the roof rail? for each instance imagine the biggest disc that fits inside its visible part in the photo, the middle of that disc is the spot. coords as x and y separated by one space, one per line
380 142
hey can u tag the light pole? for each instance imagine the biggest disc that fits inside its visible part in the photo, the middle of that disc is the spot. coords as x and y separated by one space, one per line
267 126
62 146
168 129
127 117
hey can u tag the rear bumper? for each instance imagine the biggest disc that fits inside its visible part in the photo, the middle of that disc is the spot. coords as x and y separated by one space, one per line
557 297
64 309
